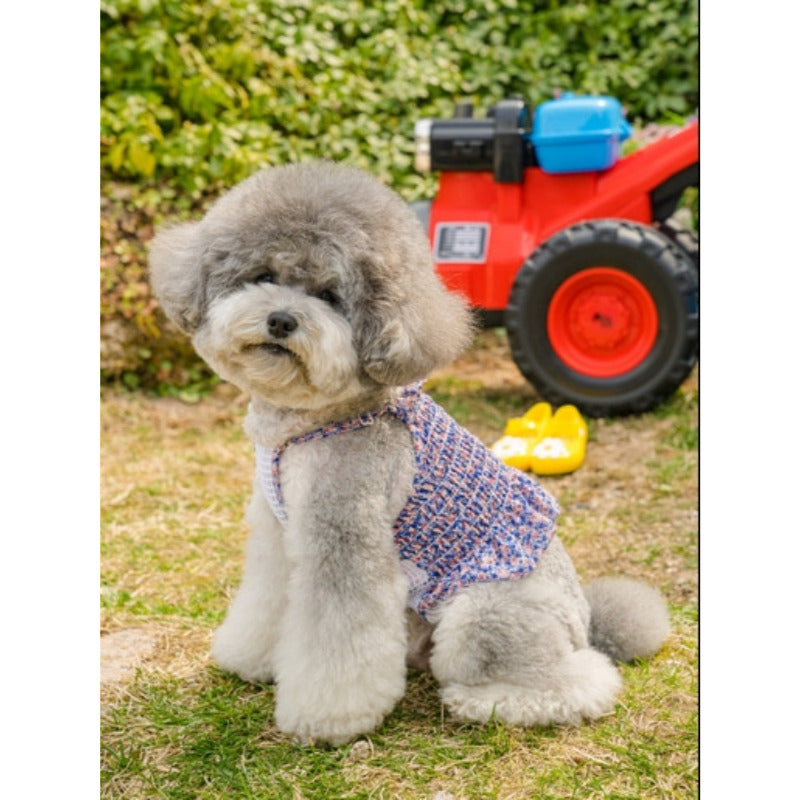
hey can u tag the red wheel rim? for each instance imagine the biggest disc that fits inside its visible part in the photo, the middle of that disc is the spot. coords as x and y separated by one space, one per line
602 322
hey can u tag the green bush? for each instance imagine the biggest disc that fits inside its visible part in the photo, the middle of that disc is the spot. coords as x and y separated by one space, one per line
195 96
200 94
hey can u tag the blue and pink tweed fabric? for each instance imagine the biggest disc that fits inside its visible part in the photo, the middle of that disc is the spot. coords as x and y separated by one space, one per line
470 518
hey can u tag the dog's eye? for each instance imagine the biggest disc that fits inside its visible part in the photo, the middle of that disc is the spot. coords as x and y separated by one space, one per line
264 277
327 296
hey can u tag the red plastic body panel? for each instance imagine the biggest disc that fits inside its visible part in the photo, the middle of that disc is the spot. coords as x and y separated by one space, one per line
522 216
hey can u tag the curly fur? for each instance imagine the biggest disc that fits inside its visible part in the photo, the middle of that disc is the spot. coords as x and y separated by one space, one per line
312 288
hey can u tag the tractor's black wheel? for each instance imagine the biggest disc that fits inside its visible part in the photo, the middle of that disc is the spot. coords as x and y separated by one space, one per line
686 238
605 315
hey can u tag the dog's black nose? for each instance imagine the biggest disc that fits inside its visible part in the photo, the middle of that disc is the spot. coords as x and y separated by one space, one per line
280 324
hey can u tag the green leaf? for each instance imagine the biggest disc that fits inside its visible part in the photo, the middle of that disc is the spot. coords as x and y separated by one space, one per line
142 160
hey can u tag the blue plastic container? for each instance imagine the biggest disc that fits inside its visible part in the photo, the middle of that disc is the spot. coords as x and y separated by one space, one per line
579 134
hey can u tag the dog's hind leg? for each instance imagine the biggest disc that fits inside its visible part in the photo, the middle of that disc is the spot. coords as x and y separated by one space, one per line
244 643
518 651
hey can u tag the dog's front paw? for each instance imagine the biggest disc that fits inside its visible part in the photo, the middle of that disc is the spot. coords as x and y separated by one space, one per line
334 730
335 716
241 655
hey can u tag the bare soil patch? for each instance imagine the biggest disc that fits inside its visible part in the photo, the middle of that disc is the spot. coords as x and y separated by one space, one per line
122 651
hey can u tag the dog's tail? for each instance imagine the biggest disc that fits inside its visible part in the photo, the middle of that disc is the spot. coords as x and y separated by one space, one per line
629 618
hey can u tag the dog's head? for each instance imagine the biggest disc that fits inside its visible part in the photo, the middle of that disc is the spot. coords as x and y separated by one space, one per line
309 284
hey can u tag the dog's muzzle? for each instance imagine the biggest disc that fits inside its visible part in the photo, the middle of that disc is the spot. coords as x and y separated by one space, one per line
281 324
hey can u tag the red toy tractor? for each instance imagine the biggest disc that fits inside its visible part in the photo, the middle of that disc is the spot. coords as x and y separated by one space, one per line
546 230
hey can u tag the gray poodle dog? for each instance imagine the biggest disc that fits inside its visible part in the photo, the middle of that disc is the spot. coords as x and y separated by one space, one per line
383 534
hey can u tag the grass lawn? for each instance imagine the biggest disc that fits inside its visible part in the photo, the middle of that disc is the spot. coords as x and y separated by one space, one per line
175 481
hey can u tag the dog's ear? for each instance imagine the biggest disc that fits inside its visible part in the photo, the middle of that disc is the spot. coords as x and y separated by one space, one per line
415 332
176 274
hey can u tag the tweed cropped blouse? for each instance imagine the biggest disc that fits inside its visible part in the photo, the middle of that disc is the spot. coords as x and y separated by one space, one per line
470 518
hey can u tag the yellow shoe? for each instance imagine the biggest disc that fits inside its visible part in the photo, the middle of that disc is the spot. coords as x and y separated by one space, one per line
521 435
562 446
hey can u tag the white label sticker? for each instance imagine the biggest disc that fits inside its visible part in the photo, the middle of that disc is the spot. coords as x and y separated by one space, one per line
461 242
